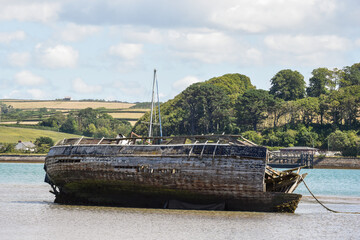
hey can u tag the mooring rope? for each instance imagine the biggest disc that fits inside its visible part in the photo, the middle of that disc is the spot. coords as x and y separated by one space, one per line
322 203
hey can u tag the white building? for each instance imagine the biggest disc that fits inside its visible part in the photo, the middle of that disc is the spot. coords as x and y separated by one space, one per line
25 146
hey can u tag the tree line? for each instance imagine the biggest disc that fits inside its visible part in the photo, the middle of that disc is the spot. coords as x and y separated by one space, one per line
88 122
289 114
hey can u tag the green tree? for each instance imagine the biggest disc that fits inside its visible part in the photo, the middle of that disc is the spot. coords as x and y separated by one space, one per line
308 109
90 130
7 148
253 136
55 121
351 76
234 85
288 138
305 137
43 144
321 82
205 108
44 140
344 105
288 85
252 107
277 109
346 142
69 126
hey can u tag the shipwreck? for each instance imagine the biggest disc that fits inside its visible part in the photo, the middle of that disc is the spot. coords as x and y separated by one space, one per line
219 172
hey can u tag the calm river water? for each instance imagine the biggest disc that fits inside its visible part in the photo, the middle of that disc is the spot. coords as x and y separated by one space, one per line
27 211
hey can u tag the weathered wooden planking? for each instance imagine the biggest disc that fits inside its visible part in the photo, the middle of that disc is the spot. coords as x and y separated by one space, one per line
232 170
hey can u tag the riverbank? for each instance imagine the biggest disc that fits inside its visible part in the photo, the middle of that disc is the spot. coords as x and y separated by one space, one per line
22 158
337 162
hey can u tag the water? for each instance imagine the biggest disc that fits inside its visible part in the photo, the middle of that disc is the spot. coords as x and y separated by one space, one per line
27 211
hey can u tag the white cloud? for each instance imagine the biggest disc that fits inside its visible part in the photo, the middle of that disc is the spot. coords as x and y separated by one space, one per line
150 36
259 15
357 42
60 56
184 83
254 55
28 79
212 47
74 32
204 45
301 44
19 59
12 36
127 51
82 87
307 50
37 93
29 10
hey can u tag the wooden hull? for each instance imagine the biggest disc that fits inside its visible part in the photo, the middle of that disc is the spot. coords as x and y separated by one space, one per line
230 177
120 194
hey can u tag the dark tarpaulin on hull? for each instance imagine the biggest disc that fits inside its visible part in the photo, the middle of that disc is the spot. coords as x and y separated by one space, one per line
176 204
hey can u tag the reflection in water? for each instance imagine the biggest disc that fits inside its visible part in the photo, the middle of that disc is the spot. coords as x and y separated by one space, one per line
27 212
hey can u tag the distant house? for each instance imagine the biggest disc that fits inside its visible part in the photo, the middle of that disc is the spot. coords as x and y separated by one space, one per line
67 99
25 146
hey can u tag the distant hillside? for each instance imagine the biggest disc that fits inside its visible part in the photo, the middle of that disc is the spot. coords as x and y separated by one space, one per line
200 108
123 111
13 135
64 105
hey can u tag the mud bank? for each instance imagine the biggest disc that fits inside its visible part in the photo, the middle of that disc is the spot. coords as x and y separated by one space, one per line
22 158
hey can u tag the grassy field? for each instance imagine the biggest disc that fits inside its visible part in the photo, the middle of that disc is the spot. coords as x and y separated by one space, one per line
13 135
65 105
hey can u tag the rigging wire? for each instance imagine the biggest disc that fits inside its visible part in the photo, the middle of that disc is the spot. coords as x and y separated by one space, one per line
331 210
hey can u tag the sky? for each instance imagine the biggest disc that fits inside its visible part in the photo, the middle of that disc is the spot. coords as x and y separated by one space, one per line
108 49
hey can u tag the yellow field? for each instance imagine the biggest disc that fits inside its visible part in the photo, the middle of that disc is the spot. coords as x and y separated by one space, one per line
138 110
132 123
126 115
65 104
13 135
24 122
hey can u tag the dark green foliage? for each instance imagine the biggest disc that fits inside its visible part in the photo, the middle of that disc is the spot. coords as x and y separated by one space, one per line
205 109
343 105
7 148
69 126
43 144
44 140
306 137
54 121
288 85
234 85
351 76
4 109
321 82
253 107
253 136
346 142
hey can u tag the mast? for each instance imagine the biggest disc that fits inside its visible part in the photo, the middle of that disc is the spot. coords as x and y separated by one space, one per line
152 105
153 111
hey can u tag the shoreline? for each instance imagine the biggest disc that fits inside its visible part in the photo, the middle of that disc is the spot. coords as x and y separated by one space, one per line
22 158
